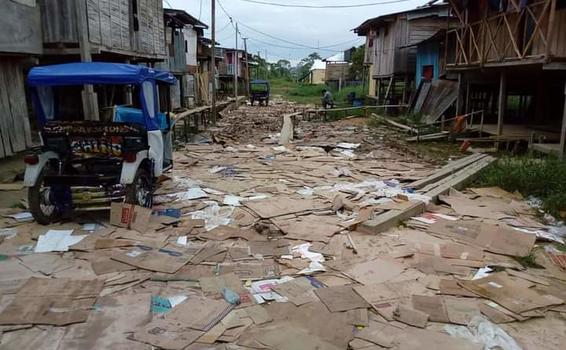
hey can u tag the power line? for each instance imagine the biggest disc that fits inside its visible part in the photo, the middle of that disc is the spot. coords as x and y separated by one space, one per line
223 28
287 47
325 6
297 46
200 10
343 43
276 38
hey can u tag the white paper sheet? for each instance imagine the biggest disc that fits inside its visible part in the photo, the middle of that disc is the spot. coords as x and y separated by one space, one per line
57 241
21 217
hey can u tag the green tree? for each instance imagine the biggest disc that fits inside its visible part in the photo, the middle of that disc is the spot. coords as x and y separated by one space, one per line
306 63
356 70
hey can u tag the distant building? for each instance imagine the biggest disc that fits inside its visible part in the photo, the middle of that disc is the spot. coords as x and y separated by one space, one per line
390 50
182 37
233 61
317 73
336 71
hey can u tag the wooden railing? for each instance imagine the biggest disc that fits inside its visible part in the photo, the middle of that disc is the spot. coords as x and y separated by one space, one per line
520 35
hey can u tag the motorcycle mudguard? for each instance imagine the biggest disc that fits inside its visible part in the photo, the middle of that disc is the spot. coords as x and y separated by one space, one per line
129 169
32 171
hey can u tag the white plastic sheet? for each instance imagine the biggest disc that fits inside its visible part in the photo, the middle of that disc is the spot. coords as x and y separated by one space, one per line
214 215
482 331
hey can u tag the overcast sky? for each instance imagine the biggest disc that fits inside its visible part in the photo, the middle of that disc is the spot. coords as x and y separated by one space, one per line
316 28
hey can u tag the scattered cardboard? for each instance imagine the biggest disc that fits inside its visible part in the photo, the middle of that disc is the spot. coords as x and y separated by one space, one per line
56 302
284 205
167 333
418 339
106 243
451 287
510 292
493 238
376 335
287 336
374 271
433 306
129 216
216 284
115 315
309 228
410 316
341 298
384 297
167 259
251 270
299 291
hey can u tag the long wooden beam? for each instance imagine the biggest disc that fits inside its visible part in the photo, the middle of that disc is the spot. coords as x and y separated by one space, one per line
447 170
563 133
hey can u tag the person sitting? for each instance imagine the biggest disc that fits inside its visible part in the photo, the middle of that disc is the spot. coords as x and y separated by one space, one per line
327 99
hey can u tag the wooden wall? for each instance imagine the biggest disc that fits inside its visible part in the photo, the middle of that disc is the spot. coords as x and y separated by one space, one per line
15 133
150 37
110 25
558 43
20 27
59 21
390 54
336 71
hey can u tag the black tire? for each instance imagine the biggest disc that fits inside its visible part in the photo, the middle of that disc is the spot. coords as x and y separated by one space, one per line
267 102
140 192
37 206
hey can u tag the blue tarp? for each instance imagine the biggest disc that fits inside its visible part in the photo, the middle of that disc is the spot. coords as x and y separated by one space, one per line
95 73
135 115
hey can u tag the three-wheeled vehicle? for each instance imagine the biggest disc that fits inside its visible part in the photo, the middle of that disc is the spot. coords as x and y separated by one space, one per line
259 91
85 165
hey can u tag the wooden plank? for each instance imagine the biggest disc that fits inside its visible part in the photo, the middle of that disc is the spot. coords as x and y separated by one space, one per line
394 123
423 94
447 170
391 218
18 106
458 179
502 102
563 133
429 137
5 114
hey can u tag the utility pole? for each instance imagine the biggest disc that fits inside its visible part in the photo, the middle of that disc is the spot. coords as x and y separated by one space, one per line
266 65
247 67
213 61
257 71
89 98
236 66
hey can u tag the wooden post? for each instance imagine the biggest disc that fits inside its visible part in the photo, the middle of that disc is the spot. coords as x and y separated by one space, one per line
89 98
236 66
213 61
502 102
459 98
405 87
247 67
467 109
563 134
